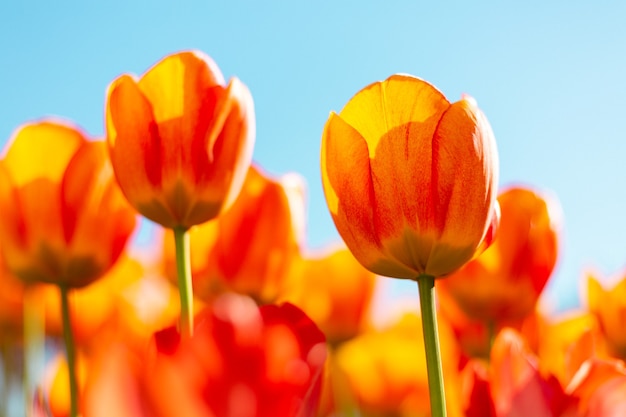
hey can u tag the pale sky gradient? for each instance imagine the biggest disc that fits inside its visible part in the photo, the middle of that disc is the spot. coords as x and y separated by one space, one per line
550 76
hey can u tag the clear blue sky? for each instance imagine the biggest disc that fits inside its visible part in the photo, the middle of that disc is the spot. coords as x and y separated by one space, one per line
550 76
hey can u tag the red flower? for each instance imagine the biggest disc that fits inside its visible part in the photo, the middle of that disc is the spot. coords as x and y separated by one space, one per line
242 361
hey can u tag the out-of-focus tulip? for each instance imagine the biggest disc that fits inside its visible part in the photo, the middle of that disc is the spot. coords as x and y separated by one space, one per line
410 179
609 308
63 219
504 282
512 385
180 139
250 248
517 387
386 370
242 361
558 345
335 291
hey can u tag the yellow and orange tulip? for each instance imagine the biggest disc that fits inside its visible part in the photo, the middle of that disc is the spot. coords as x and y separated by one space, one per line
180 139
63 219
250 248
410 178
608 306
504 282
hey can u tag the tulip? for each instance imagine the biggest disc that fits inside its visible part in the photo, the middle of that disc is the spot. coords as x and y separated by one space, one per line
242 361
410 181
608 306
181 144
63 218
335 291
250 248
180 139
505 281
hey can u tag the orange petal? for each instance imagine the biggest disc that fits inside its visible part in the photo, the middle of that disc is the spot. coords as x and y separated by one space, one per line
133 138
229 150
347 181
464 154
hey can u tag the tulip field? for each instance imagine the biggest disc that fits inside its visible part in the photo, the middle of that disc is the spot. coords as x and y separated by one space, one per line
225 311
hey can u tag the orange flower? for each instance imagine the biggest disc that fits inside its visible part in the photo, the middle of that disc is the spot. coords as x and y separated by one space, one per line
511 385
241 361
248 249
609 308
505 281
335 291
63 217
180 139
410 179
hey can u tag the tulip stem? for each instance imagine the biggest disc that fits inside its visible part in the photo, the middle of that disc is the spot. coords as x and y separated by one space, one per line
68 338
426 285
185 288
34 352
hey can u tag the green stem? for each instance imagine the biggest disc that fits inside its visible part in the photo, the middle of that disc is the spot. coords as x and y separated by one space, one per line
33 344
70 353
426 284
185 288
6 378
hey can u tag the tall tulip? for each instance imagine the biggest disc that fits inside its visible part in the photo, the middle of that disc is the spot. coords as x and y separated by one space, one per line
63 218
181 143
410 180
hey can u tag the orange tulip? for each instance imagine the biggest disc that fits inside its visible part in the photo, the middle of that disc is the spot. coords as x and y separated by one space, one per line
242 361
335 291
410 179
505 281
609 308
250 248
180 139
63 219
513 385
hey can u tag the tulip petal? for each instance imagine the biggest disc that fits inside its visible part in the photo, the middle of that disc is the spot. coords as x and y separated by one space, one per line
346 173
463 157
49 138
89 187
133 136
228 149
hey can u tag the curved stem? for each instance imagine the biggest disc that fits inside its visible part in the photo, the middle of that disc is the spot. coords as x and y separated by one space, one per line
70 352
185 288
426 284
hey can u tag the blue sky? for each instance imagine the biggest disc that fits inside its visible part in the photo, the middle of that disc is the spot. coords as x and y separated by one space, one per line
550 76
